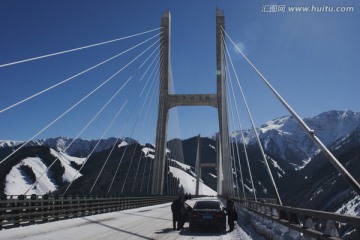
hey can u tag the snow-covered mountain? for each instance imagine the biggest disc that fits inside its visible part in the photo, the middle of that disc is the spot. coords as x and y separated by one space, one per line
284 136
304 177
40 169
9 143
73 147
351 207
19 180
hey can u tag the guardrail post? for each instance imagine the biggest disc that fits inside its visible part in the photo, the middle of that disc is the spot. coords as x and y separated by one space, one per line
14 211
134 202
117 202
106 203
87 205
20 205
45 208
131 202
56 207
263 209
283 215
293 218
99 207
274 213
280 229
111 206
66 206
93 205
331 229
3 206
82 205
75 205
32 208
101 203
124 202
308 224
122 199
258 208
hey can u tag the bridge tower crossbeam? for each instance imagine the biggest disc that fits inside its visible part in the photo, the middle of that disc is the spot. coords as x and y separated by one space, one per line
168 101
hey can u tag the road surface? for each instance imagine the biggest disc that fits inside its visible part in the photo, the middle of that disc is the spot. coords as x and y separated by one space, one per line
153 222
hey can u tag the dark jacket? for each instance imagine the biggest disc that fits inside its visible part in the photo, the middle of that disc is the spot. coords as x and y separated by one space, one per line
230 210
176 206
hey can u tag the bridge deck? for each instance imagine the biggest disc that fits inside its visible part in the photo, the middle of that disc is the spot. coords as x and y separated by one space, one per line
153 222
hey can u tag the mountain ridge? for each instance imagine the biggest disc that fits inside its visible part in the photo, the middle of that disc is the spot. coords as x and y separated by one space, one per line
303 184
284 136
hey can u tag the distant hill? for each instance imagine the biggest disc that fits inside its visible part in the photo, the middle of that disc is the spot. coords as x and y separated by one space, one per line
305 178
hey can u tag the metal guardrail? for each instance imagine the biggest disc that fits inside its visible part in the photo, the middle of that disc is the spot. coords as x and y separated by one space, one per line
23 210
313 224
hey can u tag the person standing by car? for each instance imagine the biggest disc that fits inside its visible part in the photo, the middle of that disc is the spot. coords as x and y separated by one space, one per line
184 213
231 212
176 208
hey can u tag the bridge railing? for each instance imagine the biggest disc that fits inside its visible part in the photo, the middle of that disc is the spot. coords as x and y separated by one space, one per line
23 210
311 223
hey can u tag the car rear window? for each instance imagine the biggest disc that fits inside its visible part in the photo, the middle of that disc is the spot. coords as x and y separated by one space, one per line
207 205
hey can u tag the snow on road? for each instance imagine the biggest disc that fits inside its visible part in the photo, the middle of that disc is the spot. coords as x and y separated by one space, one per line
153 222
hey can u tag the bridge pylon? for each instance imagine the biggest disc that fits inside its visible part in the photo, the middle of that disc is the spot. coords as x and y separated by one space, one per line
168 101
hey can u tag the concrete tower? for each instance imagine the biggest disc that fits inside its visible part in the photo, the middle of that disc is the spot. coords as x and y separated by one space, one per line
168 101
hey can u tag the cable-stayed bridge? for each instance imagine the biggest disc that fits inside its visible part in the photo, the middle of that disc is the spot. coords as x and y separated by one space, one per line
149 71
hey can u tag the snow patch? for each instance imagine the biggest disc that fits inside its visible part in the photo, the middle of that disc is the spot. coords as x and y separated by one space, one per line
16 182
276 124
9 143
214 176
183 166
148 152
66 160
122 144
213 147
189 183
276 165
249 189
352 207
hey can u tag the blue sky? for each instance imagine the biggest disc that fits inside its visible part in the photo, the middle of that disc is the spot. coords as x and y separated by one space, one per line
312 59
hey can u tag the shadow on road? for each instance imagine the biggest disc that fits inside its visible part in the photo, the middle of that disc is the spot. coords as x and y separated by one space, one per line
165 230
117 229
140 215
201 232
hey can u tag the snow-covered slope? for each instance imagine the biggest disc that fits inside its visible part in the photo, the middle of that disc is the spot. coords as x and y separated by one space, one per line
18 181
188 183
9 143
70 173
352 207
73 147
284 137
79 147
